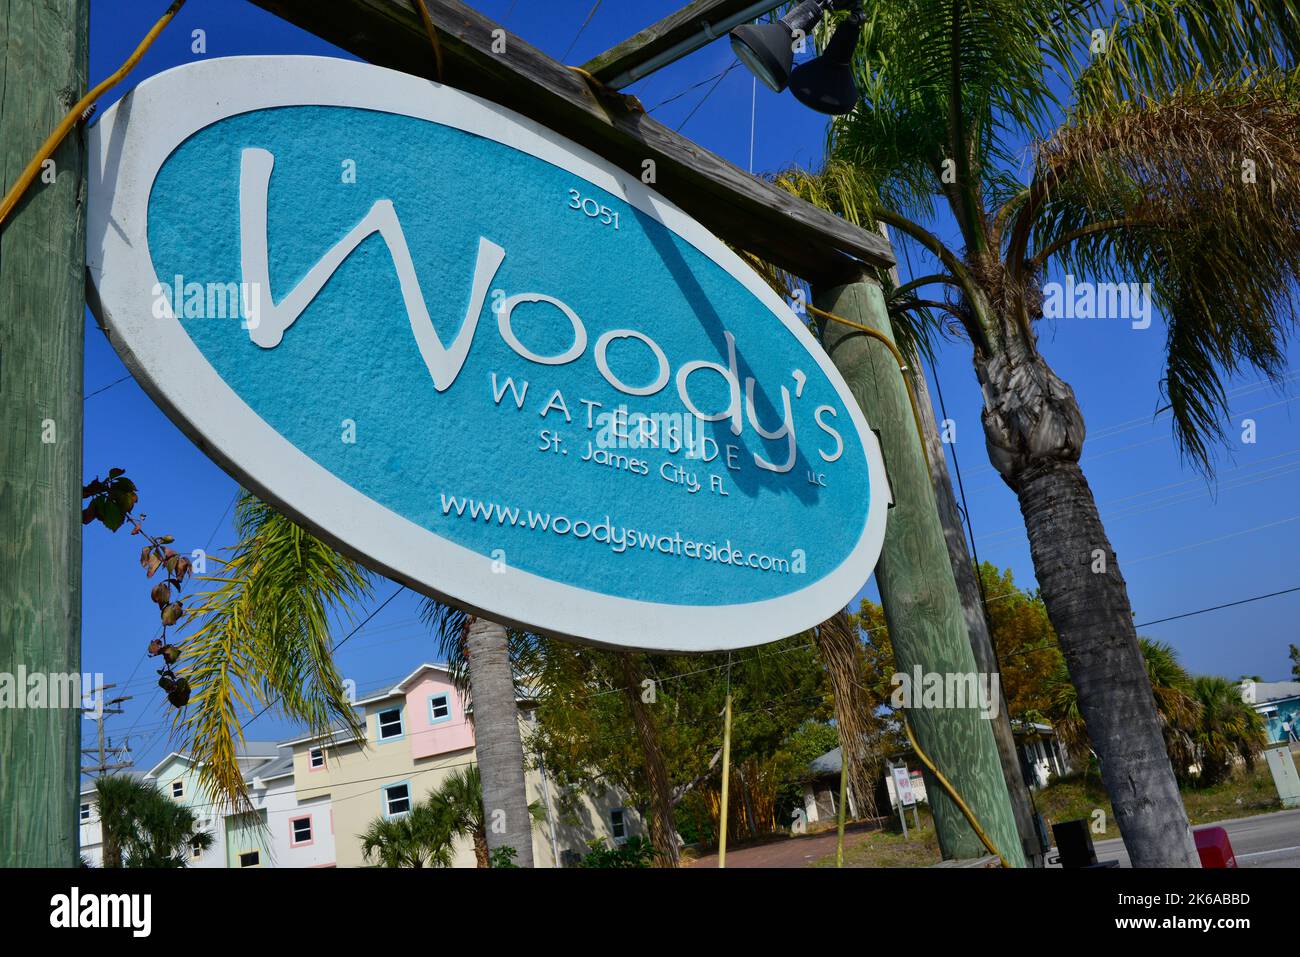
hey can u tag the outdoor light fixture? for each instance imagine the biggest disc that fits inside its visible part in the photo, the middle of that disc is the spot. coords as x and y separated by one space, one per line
767 49
825 83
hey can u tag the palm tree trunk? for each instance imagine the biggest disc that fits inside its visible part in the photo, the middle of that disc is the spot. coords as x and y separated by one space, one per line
663 825
1035 432
497 740
482 858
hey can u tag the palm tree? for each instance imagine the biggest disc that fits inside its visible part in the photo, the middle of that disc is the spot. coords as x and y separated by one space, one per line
1177 709
478 651
142 827
1176 164
462 796
422 837
1229 729
263 638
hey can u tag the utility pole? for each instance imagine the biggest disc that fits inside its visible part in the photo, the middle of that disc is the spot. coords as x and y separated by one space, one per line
99 716
972 605
43 58
977 623
922 605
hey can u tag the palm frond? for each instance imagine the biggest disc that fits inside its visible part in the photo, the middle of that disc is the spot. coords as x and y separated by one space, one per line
263 638
1154 47
1198 194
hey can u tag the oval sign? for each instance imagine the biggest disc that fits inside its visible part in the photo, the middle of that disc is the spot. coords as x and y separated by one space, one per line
478 357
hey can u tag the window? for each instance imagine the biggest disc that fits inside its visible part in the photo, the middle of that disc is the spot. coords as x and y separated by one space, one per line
316 759
390 724
196 851
618 825
300 831
439 708
178 789
250 859
397 799
85 814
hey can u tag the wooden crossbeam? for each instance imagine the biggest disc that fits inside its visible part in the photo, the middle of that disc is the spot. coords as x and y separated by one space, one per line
744 210
690 21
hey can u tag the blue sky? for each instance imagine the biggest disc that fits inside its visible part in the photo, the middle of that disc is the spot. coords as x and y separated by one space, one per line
1183 543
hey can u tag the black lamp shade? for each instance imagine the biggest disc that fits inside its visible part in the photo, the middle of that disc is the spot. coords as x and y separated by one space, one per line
767 49
825 84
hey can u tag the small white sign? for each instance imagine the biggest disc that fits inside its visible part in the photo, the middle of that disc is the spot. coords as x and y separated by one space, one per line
903 787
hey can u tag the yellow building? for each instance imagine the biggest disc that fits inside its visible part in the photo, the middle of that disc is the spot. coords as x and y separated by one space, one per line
417 734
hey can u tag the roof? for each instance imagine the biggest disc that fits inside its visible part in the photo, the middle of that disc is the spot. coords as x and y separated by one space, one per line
248 751
828 763
404 685
280 766
1259 692
90 788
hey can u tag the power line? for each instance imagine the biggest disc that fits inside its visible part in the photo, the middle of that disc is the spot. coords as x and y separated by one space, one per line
594 7
721 76
1229 604
90 395
342 642
693 86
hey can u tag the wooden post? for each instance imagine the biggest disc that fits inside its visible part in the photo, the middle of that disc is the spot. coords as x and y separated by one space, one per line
922 606
972 606
43 59
977 624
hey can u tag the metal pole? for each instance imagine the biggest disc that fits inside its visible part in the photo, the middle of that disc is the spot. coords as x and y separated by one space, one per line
839 837
726 779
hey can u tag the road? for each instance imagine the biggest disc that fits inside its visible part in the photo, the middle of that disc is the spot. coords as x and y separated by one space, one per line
1266 840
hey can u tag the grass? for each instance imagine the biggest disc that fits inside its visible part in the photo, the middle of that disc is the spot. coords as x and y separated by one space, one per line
1244 794
888 848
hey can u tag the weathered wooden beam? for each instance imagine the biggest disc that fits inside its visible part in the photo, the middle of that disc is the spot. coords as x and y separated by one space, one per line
627 62
43 66
742 209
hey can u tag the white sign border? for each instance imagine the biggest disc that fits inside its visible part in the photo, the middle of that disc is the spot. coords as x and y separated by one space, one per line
128 147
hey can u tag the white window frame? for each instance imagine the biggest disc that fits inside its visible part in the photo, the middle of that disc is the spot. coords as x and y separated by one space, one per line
178 794
615 825
312 755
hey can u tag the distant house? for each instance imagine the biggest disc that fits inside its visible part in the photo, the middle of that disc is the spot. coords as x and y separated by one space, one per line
418 733
1041 754
260 838
1041 757
313 797
1276 701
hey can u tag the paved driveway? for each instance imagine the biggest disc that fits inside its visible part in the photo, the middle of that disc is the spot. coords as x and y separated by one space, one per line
788 851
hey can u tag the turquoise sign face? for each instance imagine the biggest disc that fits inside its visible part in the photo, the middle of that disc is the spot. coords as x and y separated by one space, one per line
478 357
